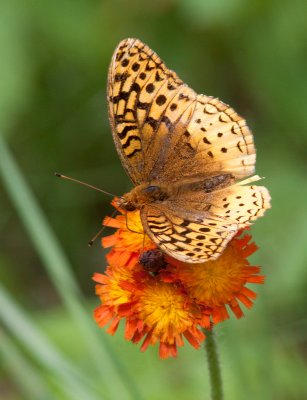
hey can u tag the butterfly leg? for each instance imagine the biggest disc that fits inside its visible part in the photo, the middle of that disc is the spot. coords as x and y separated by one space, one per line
131 230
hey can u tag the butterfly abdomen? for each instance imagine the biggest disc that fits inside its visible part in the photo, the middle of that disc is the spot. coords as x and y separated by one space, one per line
200 184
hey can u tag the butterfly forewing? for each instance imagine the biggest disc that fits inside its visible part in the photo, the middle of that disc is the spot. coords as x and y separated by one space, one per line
167 134
139 90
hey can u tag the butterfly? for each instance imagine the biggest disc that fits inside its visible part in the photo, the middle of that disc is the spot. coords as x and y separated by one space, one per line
189 156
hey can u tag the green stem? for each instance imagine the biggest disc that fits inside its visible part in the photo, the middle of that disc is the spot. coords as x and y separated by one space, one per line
214 366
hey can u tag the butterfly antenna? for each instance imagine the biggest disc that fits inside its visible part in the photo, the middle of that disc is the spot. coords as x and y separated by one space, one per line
90 243
84 184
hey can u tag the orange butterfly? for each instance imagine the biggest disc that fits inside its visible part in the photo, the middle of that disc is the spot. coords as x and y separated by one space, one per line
186 155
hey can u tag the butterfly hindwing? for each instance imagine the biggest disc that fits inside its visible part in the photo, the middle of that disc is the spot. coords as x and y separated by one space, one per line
195 226
241 204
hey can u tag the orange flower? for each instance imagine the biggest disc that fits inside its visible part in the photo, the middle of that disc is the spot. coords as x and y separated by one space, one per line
128 241
162 301
220 282
154 310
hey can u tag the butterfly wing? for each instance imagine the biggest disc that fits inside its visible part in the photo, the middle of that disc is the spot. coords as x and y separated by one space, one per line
186 237
240 204
216 139
196 226
163 130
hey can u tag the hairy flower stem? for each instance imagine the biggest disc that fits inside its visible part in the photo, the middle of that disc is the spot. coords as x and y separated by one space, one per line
214 366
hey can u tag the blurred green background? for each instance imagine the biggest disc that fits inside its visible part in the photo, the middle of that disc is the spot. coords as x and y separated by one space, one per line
53 117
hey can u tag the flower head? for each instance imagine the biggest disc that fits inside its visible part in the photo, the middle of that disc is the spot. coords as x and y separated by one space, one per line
154 311
162 300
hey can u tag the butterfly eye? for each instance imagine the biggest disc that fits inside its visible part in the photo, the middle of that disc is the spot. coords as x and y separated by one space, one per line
151 189
155 193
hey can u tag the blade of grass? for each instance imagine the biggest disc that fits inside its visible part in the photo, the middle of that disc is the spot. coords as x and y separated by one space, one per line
112 373
20 324
27 378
